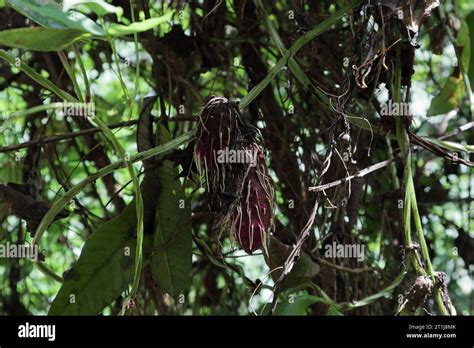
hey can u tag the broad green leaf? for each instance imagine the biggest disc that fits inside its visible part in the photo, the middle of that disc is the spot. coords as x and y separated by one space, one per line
463 42
172 247
40 39
296 305
11 172
138 27
299 305
449 98
104 269
52 16
100 8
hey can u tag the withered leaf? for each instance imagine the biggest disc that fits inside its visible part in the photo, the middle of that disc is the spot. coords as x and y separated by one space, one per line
416 296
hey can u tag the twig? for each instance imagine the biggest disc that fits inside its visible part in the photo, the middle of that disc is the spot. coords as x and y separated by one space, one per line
461 129
70 135
342 268
438 151
294 255
64 136
358 175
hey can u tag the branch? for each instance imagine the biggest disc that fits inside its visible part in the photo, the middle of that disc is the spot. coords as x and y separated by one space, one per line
71 135
358 175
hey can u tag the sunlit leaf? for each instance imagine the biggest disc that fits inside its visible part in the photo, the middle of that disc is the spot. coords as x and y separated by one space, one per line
449 98
138 27
51 16
100 8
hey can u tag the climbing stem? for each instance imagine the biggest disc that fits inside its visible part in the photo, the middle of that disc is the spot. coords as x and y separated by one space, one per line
410 202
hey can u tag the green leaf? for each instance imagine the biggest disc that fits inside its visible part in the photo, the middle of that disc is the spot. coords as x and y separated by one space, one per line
470 23
296 305
52 16
449 98
138 27
172 247
100 8
10 172
463 42
40 39
334 311
104 269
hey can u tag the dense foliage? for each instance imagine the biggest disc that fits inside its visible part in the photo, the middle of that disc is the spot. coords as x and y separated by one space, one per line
359 114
